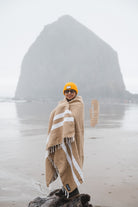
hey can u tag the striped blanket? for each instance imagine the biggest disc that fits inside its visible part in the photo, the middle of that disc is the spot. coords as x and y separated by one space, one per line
64 145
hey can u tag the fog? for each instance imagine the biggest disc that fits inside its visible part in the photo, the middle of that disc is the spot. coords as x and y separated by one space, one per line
22 21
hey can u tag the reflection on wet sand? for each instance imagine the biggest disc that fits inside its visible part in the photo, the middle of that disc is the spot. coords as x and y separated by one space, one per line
105 116
94 112
111 154
97 114
34 117
35 110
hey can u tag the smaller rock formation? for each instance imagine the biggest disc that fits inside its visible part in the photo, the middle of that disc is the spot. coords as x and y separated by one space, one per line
52 200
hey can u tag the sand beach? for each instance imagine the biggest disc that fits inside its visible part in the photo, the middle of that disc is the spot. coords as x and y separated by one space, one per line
111 155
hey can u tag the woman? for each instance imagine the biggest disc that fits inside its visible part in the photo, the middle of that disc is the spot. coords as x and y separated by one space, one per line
64 147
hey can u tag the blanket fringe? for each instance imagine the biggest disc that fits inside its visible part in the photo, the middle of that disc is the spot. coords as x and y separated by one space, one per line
67 140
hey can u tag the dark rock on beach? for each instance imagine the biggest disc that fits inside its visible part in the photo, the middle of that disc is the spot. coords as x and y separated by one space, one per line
52 200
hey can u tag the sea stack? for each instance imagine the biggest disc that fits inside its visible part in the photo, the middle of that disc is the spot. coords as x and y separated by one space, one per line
67 51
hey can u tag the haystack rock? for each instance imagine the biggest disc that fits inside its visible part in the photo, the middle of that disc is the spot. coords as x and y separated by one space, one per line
66 51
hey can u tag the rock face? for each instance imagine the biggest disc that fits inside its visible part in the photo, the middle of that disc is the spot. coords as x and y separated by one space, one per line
68 51
54 201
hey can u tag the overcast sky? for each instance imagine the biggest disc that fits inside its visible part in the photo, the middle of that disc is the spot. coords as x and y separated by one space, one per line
21 21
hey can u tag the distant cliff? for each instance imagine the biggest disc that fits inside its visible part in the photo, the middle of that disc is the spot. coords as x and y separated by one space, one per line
68 51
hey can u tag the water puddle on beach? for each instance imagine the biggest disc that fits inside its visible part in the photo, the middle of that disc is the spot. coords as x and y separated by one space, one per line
94 138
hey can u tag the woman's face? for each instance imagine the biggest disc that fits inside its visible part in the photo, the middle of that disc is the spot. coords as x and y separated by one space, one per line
70 94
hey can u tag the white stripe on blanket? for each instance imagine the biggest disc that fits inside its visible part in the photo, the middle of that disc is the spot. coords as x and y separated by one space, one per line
66 119
47 139
70 163
55 126
58 116
75 162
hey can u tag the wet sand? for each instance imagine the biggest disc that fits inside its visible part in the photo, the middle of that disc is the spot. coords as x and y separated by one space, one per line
111 156
110 169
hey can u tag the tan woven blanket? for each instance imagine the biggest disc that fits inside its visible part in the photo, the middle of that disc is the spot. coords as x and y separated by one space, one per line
64 146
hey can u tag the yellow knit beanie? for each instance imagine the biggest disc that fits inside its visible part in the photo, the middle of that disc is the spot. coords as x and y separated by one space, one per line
70 85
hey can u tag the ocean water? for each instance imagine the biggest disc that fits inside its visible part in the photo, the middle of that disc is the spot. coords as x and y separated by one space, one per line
23 131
